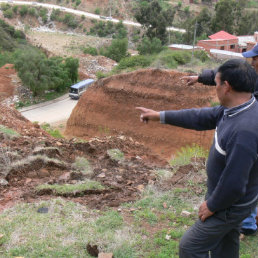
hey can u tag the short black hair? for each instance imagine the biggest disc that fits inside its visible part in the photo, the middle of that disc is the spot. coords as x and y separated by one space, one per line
239 74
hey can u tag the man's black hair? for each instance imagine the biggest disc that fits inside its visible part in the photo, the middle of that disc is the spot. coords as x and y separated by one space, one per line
239 74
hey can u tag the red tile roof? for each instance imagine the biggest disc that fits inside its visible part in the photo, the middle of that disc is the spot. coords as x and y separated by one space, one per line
222 35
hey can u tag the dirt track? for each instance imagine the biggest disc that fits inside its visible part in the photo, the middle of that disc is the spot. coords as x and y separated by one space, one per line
108 108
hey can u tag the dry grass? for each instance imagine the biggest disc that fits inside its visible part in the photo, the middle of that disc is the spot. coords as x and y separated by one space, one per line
63 44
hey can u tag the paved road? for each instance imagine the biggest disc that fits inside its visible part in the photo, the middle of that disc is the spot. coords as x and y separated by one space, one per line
86 14
50 112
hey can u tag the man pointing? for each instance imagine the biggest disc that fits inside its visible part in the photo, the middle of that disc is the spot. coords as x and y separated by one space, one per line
232 185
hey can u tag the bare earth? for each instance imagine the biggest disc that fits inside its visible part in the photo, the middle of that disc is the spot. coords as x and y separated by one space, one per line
106 110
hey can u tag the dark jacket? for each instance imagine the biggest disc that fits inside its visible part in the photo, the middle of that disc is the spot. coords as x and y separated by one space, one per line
207 77
232 163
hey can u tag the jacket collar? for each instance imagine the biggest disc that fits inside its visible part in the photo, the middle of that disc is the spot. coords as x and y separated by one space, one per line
235 110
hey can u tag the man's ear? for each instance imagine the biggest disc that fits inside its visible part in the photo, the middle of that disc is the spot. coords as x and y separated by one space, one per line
228 87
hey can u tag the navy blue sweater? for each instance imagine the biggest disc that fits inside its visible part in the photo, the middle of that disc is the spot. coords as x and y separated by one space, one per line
232 166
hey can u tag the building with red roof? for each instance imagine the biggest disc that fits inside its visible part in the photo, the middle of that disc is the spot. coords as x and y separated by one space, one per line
222 35
220 40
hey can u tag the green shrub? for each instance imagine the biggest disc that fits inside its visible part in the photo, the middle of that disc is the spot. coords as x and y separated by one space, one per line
97 10
32 11
10 133
8 13
100 75
82 165
117 50
55 15
69 188
104 29
23 10
18 34
5 7
70 21
182 57
42 12
121 31
44 18
6 58
53 132
15 8
167 59
252 4
78 2
201 54
90 50
185 155
133 61
116 154
149 46
187 9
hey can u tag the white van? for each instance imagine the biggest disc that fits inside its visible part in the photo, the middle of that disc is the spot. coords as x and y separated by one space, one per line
77 89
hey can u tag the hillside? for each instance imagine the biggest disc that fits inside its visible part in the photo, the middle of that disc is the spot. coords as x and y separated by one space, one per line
6 86
108 108
110 194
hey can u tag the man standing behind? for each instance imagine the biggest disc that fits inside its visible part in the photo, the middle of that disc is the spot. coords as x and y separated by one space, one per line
232 163
207 77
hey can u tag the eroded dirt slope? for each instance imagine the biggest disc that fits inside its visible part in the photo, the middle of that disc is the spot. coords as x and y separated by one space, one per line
31 157
108 108
6 87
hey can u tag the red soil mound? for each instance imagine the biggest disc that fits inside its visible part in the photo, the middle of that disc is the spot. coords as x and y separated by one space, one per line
6 87
108 107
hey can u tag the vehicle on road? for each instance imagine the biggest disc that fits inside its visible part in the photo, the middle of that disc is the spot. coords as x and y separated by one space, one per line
105 17
77 89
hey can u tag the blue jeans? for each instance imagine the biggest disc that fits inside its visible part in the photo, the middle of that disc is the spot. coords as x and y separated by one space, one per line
250 222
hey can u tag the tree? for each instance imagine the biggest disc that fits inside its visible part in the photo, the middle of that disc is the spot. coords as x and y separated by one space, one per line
72 65
117 50
32 70
121 31
40 73
248 23
228 15
23 10
150 46
154 19
204 23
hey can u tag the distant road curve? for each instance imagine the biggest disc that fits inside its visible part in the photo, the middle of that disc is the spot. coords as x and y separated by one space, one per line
86 14
51 111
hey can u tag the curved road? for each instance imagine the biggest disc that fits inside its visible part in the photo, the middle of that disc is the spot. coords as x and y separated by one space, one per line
61 108
51 111
86 14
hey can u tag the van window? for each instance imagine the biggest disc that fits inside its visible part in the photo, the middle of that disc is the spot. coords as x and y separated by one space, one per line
72 90
82 89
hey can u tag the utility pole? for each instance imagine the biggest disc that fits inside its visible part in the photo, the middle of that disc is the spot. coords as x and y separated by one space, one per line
110 3
195 28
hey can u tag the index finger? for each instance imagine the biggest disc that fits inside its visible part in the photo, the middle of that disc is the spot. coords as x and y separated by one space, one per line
141 108
185 78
